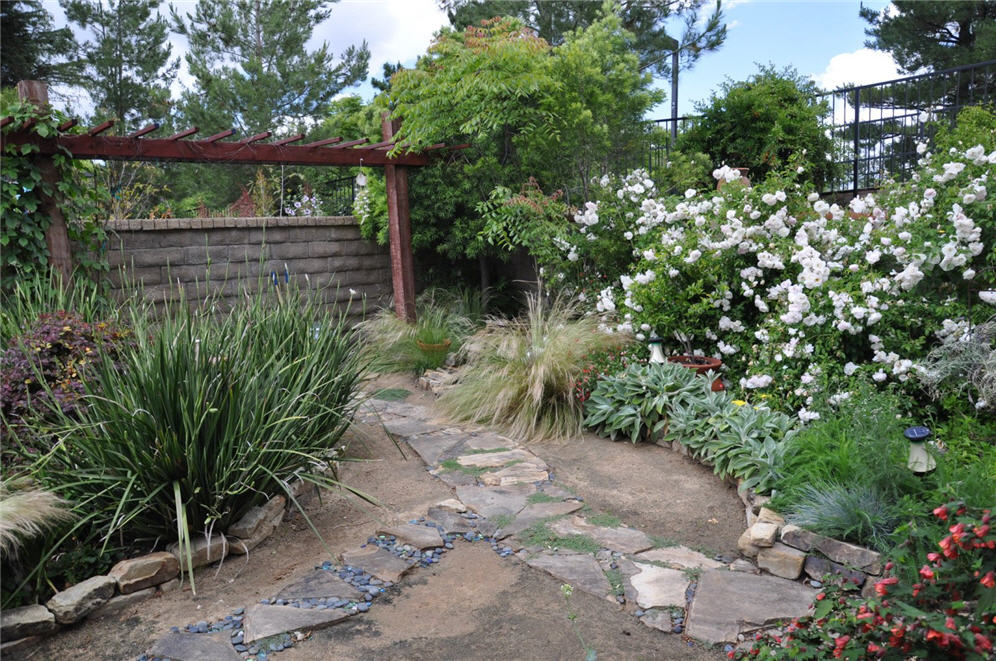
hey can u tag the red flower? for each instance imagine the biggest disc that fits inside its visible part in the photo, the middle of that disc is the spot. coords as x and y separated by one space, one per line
982 644
882 586
927 573
989 580
981 531
941 512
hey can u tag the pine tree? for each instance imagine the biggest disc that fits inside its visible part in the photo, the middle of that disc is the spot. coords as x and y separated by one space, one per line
934 35
251 68
128 61
31 49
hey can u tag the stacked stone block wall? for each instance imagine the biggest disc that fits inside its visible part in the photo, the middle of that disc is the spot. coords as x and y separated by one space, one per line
222 257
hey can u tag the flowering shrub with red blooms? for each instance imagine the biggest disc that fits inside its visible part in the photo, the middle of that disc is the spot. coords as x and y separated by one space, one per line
949 614
601 364
43 366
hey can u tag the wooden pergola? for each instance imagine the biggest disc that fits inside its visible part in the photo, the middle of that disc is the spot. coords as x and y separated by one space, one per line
93 144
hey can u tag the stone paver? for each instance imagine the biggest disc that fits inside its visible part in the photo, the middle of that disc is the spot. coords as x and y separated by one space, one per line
487 441
658 619
501 458
624 540
374 560
524 473
680 556
451 522
194 647
263 621
407 427
659 587
434 447
494 501
577 569
537 512
727 603
421 537
317 584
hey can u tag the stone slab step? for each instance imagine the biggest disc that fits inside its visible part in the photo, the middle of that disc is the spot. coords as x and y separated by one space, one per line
624 540
577 569
263 621
195 647
317 584
374 560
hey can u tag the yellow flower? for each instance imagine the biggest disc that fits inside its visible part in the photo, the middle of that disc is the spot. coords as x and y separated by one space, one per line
739 402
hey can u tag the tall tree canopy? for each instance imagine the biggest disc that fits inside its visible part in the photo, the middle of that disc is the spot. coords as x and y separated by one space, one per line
31 48
934 35
252 69
554 19
128 61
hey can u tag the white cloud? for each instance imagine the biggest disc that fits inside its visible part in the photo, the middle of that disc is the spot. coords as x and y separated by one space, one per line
395 30
860 67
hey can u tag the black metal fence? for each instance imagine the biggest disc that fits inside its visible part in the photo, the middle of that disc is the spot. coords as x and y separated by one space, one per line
876 127
339 194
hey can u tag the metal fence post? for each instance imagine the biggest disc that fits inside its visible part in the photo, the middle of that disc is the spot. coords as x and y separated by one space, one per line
857 134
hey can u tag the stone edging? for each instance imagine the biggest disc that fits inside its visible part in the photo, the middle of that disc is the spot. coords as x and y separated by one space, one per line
136 579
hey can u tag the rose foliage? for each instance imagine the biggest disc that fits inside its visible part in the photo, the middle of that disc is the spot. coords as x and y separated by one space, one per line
798 295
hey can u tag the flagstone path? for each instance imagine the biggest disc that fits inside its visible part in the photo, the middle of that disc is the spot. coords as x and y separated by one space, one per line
506 497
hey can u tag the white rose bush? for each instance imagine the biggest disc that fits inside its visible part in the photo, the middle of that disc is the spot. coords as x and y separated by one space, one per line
796 294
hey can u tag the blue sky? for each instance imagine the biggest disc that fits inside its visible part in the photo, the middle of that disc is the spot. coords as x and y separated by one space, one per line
823 39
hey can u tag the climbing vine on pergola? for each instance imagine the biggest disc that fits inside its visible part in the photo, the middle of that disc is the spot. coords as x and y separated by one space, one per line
254 150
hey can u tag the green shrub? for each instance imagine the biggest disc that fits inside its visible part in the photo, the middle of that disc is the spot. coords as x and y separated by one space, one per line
521 373
204 418
766 123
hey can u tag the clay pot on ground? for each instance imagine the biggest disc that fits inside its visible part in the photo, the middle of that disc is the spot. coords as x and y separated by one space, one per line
701 365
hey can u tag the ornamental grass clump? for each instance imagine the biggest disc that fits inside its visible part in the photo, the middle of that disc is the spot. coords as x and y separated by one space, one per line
521 373
205 417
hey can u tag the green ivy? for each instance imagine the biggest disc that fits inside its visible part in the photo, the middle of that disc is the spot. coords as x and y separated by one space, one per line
23 250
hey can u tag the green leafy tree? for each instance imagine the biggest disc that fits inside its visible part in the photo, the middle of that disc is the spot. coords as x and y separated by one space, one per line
31 48
766 123
934 35
553 20
558 115
252 68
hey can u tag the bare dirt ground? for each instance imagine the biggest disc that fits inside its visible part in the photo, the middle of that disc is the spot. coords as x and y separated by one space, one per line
472 605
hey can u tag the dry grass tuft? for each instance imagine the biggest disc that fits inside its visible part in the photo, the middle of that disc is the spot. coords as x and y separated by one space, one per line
521 373
26 512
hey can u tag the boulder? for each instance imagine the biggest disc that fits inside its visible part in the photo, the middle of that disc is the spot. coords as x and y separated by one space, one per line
763 534
26 621
744 544
75 603
782 560
203 551
144 571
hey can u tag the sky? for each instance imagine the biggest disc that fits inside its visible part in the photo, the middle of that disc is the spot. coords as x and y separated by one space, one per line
821 39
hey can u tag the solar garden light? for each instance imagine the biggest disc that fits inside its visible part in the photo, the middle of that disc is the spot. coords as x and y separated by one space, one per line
920 461
656 354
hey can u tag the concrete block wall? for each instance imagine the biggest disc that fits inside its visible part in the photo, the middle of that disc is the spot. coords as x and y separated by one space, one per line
225 256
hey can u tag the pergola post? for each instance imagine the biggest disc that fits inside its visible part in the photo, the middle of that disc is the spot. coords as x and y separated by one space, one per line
57 235
399 230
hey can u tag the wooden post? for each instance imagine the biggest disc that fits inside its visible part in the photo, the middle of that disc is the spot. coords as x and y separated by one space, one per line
399 230
57 235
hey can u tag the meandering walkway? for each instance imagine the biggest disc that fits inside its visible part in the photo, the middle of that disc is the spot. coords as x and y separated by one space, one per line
506 500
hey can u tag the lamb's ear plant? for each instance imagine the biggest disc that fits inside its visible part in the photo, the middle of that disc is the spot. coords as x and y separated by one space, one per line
636 403
205 417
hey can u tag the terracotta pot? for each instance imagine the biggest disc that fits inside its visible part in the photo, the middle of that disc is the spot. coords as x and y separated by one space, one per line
433 348
701 365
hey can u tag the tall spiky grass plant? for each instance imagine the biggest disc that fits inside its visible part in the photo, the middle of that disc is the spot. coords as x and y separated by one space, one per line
208 415
521 373
41 293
